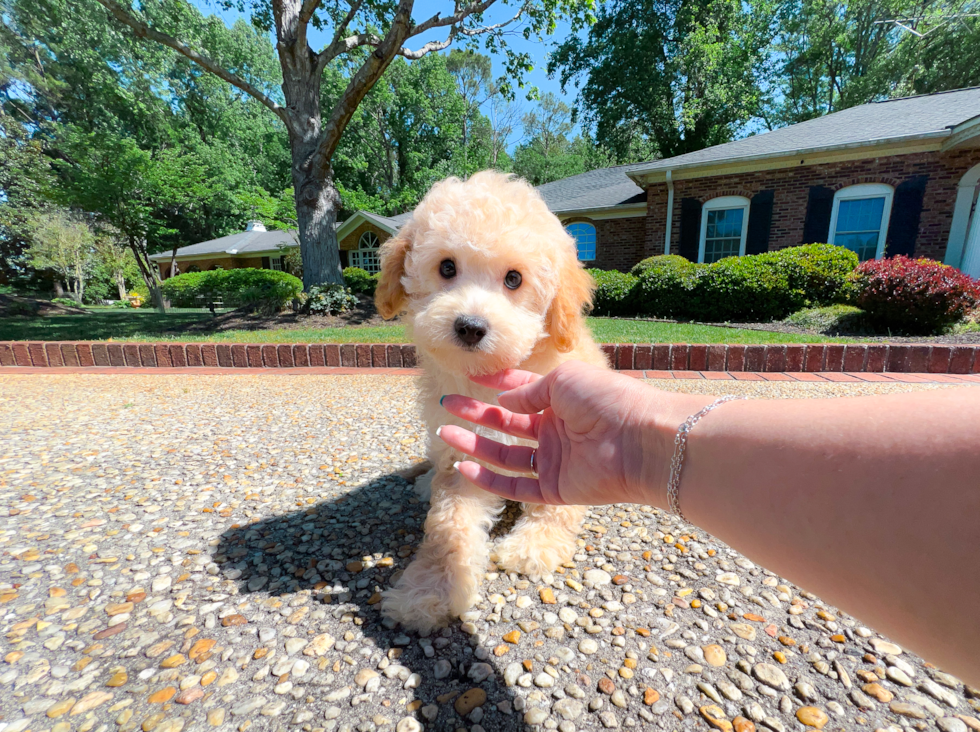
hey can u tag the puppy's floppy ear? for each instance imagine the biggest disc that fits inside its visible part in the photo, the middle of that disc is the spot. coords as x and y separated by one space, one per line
390 297
573 298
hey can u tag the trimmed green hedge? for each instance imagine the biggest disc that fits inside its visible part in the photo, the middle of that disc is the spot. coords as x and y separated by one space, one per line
262 289
612 292
360 281
758 287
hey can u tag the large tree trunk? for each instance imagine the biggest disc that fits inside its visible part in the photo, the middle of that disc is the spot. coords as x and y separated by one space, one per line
149 271
317 203
317 200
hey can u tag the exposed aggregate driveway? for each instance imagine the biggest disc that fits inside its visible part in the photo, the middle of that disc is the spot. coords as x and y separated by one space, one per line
197 552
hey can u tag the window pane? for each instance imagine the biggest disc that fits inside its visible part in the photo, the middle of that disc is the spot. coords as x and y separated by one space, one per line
858 225
724 223
723 233
862 214
865 245
716 249
585 240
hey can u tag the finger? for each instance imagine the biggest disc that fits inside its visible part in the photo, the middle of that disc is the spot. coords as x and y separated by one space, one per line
531 398
506 379
496 418
516 458
525 490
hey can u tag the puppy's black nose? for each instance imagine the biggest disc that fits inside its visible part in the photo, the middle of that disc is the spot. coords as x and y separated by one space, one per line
471 330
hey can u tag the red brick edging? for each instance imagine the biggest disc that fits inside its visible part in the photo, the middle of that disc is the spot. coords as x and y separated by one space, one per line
793 358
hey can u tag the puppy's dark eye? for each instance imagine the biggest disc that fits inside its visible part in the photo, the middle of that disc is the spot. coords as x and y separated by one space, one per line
513 279
447 268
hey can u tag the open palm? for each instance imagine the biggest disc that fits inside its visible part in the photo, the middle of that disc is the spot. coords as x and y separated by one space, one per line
587 423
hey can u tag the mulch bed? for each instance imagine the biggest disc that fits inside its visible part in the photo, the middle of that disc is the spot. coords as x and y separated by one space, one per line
14 305
363 314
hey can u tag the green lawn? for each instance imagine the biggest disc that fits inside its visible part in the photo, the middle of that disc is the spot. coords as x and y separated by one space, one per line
148 325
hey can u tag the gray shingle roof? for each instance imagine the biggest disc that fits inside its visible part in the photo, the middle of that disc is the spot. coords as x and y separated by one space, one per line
244 242
396 221
893 119
596 189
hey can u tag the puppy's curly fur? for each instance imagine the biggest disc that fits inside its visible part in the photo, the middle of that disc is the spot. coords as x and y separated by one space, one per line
487 227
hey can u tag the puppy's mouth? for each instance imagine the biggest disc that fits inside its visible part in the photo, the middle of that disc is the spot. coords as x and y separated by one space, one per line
470 331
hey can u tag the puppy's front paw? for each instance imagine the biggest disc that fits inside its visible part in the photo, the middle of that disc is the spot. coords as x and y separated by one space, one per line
535 555
426 598
423 485
416 608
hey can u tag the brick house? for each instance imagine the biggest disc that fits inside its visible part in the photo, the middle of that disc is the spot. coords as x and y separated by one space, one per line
892 177
359 238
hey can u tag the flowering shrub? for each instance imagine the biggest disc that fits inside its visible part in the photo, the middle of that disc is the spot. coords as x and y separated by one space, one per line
329 299
915 296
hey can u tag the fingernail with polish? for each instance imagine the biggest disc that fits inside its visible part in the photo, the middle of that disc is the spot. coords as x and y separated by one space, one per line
456 465
441 398
439 431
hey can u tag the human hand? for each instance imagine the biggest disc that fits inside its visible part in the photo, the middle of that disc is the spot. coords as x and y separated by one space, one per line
602 437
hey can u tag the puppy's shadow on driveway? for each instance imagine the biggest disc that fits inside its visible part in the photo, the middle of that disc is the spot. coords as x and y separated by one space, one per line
314 558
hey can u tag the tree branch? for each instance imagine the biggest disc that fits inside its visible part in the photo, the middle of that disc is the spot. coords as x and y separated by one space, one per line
143 30
453 32
362 81
437 22
429 47
342 27
306 12
345 45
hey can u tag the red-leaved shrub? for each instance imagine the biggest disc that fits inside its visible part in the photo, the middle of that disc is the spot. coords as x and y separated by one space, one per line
914 296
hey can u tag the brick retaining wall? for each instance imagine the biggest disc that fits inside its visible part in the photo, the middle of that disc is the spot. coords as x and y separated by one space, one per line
819 357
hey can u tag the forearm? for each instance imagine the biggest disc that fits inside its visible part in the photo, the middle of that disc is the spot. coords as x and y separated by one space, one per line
872 503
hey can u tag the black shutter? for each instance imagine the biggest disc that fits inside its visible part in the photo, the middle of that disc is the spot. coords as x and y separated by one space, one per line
690 228
265 263
903 229
760 220
816 226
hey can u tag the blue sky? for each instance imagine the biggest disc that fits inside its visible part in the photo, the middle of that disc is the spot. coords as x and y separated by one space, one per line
424 9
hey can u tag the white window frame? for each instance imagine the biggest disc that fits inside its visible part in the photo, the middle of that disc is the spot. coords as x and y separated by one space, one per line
595 236
361 250
724 202
865 190
275 263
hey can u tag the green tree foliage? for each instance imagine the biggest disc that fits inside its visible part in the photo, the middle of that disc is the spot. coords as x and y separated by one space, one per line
138 134
366 38
547 154
679 75
24 176
837 55
63 243
946 57
406 135
115 270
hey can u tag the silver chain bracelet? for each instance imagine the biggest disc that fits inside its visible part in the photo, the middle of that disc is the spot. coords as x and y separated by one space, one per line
680 446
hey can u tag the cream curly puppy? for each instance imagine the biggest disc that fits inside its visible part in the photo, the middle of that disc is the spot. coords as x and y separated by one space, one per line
490 280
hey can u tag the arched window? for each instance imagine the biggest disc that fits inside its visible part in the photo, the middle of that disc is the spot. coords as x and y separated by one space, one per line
366 254
860 219
584 235
724 226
